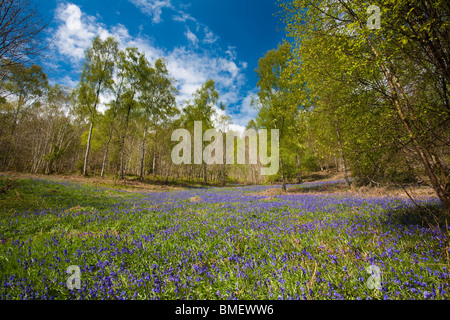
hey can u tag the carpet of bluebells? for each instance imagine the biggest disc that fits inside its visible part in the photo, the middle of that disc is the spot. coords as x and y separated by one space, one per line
217 243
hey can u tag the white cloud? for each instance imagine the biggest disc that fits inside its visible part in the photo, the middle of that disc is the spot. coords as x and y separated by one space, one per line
229 66
76 31
231 52
152 7
191 37
68 82
210 37
190 68
182 16
246 111
237 128
228 127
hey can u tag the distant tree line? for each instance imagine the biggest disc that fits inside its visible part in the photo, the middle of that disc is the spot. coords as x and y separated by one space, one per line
118 121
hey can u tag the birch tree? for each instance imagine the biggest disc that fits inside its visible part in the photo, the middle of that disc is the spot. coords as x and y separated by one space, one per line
96 78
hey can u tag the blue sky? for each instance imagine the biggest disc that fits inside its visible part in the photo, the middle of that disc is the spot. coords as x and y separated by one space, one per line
200 39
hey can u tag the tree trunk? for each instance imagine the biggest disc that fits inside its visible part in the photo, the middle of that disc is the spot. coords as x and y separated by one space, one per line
116 102
341 152
122 156
168 173
283 178
224 175
154 156
205 177
106 150
88 147
299 166
141 174
336 164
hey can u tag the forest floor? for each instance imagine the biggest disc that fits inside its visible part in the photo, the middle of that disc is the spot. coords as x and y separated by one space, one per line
322 183
407 192
322 178
319 240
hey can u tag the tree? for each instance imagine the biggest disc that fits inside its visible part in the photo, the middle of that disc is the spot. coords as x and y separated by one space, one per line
157 101
132 66
278 97
56 132
110 118
96 77
202 109
407 57
21 28
224 123
24 88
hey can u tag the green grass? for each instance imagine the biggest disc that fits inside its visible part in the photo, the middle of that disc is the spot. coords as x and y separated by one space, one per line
231 244
36 195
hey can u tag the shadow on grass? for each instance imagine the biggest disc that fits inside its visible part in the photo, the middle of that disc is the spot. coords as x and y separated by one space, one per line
325 188
168 183
425 215
316 177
